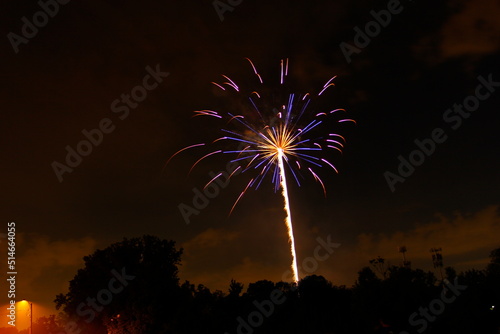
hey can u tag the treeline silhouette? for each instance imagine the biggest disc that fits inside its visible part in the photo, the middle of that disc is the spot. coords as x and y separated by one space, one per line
132 287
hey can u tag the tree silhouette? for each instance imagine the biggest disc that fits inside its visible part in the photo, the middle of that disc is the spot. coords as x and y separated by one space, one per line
147 298
493 268
235 288
129 287
43 325
380 266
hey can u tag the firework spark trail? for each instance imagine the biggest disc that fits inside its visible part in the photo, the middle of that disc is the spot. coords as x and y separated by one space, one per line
278 138
288 219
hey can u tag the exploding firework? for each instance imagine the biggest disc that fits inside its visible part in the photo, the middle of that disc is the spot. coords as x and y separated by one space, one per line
275 137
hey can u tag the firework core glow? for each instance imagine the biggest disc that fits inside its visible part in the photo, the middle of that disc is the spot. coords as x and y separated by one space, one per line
275 135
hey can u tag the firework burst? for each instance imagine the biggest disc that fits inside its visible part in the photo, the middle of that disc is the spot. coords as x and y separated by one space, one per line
274 137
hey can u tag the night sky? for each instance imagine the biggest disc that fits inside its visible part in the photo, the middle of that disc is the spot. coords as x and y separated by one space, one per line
399 86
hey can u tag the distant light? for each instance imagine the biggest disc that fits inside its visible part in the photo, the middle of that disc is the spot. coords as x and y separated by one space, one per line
492 307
